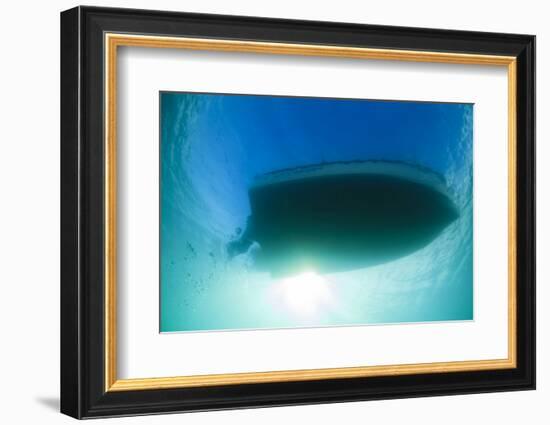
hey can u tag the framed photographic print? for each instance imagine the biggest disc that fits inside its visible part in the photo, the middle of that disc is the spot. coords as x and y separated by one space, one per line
261 212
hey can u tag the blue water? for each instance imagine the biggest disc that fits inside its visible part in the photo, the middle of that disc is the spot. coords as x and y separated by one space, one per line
212 147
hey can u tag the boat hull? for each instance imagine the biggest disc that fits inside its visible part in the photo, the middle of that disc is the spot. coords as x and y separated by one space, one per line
331 221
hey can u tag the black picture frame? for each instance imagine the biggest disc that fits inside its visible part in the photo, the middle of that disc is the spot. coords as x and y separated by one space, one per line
83 392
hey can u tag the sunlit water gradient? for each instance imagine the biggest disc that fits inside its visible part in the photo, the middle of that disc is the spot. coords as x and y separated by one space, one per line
212 148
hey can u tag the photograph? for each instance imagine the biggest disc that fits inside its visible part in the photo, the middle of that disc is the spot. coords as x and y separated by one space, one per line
287 212
261 211
275 212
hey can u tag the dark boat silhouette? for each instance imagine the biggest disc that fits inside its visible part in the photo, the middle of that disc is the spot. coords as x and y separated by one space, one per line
342 216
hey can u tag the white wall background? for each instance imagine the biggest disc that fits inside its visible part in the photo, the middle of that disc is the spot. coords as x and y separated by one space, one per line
29 224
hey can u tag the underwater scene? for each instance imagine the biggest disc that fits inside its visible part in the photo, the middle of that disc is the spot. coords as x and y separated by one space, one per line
289 212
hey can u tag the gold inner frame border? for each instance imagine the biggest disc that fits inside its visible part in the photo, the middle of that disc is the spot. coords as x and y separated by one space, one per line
111 43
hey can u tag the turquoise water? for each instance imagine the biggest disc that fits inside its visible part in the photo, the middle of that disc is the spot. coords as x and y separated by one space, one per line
212 149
